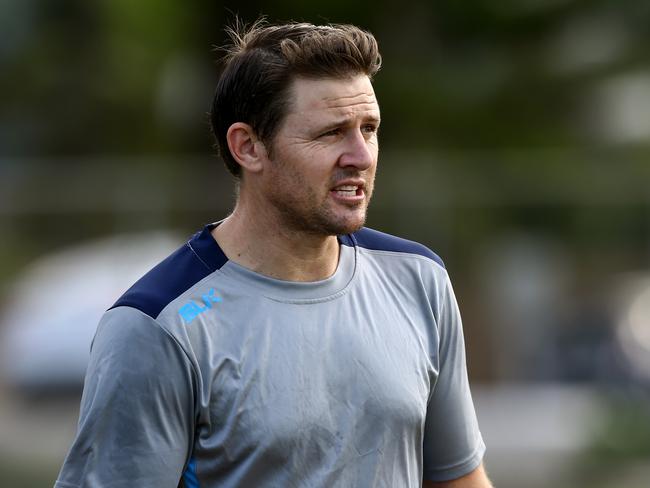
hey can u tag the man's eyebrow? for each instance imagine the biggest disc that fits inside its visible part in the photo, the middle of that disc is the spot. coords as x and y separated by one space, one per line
342 121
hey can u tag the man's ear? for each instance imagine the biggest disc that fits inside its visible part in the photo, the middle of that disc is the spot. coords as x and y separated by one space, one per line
246 147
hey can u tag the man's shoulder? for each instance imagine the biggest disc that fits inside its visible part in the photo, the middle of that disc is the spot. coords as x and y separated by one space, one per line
192 262
380 241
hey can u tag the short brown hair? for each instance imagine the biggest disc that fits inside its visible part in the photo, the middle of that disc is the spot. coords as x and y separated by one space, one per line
264 59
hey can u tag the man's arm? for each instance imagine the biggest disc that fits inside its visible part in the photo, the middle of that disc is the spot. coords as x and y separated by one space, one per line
476 479
137 410
452 445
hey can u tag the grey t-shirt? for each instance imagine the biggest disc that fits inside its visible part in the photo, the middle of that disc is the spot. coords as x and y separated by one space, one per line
206 374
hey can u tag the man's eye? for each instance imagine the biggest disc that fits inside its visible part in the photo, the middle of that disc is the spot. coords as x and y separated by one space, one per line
330 133
370 129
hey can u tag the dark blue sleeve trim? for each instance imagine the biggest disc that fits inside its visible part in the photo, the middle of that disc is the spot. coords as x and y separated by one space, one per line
373 239
189 264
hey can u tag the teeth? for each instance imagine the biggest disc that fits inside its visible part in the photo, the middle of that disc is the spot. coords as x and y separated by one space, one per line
346 190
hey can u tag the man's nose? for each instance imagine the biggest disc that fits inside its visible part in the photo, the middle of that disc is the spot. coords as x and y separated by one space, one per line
359 151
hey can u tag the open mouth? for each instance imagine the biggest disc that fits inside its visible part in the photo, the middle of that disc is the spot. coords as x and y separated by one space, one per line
348 190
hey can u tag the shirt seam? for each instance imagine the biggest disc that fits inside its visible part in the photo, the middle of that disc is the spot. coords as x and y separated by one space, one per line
311 301
403 254
195 372
172 338
169 336
189 245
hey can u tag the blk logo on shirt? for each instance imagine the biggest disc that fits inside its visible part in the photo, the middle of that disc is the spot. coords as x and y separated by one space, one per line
192 309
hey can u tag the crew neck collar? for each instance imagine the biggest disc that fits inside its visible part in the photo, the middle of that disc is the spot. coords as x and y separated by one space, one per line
211 254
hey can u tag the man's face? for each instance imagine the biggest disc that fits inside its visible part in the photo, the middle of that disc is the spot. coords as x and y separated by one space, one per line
324 156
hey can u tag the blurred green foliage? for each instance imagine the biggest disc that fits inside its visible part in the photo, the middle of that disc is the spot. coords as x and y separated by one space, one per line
625 433
620 444
514 106
84 77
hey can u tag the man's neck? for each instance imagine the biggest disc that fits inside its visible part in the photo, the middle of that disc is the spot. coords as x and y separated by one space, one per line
271 250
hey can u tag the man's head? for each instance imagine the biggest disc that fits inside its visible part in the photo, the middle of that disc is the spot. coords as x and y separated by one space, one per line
263 62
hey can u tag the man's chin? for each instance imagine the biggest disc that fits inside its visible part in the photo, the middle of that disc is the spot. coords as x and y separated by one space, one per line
332 223
348 226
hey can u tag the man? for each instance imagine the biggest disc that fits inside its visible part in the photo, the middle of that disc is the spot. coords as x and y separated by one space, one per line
285 346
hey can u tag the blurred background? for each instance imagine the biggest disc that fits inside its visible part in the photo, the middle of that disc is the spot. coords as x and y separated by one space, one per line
515 143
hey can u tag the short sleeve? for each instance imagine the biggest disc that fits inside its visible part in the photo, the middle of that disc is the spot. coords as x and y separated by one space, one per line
137 409
453 445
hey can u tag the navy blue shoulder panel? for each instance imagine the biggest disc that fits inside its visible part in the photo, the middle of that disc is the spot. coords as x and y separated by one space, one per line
373 239
189 264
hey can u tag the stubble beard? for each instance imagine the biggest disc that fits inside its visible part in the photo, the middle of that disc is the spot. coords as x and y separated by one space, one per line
305 215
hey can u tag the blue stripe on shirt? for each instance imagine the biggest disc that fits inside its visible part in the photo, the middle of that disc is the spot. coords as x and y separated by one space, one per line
190 479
